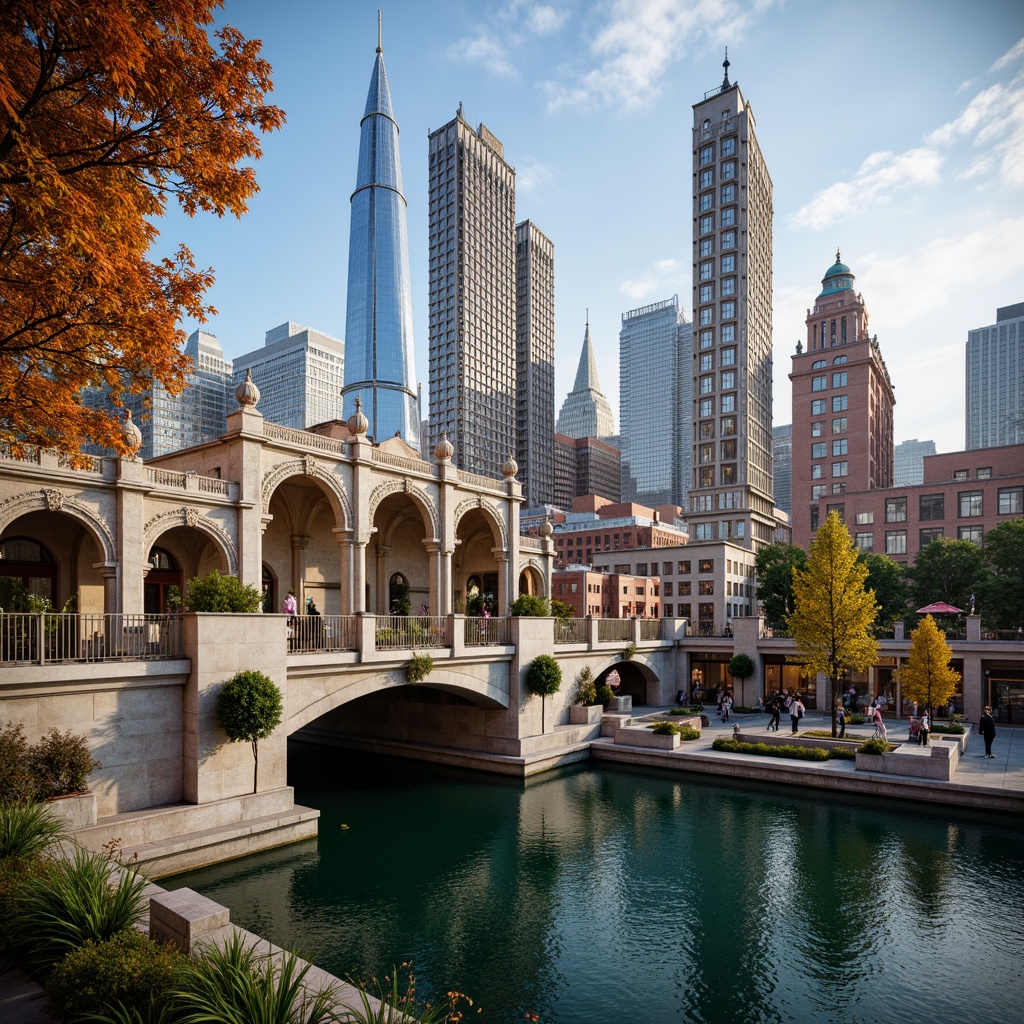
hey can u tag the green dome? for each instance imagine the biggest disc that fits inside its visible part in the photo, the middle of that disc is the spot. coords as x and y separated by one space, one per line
838 278
836 268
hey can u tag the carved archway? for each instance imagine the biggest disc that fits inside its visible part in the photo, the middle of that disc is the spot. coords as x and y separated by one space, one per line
52 499
309 467
192 518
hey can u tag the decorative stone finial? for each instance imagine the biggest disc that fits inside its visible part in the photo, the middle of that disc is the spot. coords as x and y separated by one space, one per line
130 433
357 422
444 449
247 393
510 468
546 529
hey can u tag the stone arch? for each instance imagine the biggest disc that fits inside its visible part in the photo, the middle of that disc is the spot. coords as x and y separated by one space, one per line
536 579
50 499
492 513
638 677
420 498
307 466
191 517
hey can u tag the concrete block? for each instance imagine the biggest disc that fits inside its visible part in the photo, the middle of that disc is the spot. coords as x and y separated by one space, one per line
580 714
78 811
646 738
185 917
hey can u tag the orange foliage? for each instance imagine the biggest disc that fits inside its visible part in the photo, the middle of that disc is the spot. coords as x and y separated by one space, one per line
107 109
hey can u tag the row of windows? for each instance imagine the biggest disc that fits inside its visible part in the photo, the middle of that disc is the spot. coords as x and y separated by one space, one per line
840 403
820 383
838 426
706 154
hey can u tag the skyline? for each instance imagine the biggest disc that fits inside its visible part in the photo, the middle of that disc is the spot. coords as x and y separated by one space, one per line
919 184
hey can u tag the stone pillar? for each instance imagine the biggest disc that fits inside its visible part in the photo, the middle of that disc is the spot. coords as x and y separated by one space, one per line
974 629
299 544
344 538
435 599
358 577
245 440
132 482
383 587
504 588
110 586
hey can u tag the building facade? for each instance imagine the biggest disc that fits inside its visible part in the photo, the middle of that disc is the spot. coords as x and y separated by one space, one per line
842 406
380 369
300 372
585 465
606 595
782 460
472 315
654 399
731 490
586 412
535 362
908 462
995 381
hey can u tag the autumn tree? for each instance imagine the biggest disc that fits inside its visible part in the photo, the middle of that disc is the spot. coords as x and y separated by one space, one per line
926 675
834 611
948 570
1002 593
107 111
774 564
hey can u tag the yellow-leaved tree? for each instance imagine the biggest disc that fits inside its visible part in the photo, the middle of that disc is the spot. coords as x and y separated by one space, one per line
926 676
833 610
107 110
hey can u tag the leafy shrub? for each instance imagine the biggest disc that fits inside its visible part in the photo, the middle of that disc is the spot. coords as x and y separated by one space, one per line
628 651
771 750
687 732
28 830
843 754
690 712
216 593
530 606
60 764
954 729
878 746
561 610
419 667
249 709
741 666
128 969
742 709
15 778
857 719
81 899
605 694
666 729
544 676
16 873
586 691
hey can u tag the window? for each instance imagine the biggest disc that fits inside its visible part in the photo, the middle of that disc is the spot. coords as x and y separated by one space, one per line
865 541
728 379
728 194
814 517
683 568
931 506
684 611
728 477
838 360
729 333
729 286
818 407
729 147
729 449
707 292
864 518
817 491
707 430
819 450
839 425
707 178
728 239
971 504
840 447
959 474
972 533
706 316
728 426
728 403
707 271
707 246
841 509
840 403
984 473
641 568
839 488
729 170
706 565
728 357
926 536
666 568
668 608
728 310
706 454
705 531
840 468
818 364
707 223
707 407
817 428
728 216
707 339
895 542
707 155
816 471
1011 501
707 362
728 264
707 476
839 380
707 385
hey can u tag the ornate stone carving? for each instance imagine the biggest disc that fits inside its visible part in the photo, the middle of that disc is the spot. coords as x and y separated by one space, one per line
54 499
191 516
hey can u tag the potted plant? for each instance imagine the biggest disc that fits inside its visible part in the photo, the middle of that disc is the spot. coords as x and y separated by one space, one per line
585 709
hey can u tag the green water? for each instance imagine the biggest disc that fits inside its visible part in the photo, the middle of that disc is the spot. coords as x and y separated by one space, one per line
610 895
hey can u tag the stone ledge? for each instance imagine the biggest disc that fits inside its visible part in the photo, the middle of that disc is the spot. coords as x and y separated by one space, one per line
641 737
184 916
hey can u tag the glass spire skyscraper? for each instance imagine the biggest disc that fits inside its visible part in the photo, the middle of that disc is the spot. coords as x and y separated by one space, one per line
379 364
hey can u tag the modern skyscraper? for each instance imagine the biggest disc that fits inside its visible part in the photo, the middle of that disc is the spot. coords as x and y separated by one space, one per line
655 355
782 460
299 372
842 406
908 462
171 422
731 491
586 412
380 368
585 465
472 253
995 381
535 363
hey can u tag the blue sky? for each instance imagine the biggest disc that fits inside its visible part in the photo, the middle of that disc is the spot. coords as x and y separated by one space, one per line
892 130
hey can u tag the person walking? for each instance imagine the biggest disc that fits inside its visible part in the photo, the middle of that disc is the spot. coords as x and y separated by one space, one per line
841 721
796 712
880 732
726 705
926 724
987 728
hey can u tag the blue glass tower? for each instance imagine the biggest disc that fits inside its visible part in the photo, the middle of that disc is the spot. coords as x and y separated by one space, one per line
379 366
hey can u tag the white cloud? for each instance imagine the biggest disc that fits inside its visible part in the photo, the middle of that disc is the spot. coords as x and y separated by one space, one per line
493 47
532 174
487 51
665 277
543 19
977 113
1014 53
640 39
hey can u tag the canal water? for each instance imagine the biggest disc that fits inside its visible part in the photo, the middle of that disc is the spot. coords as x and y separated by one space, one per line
607 894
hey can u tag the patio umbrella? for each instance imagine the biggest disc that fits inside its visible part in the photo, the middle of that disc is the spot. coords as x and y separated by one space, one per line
939 608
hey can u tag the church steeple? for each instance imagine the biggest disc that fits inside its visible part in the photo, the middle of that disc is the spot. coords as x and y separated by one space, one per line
586 412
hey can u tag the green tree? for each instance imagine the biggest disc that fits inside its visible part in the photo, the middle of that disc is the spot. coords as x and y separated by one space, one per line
530 605
948 570
834 614
249 709
926 675
775 564
741 667
888 579
544 678
216 593
1002 592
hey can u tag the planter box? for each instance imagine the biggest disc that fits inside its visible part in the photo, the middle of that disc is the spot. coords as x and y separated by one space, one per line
585 714
786 739
940 762
79 810
622 705
646 738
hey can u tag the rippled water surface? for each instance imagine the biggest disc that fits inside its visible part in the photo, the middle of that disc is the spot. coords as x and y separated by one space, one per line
599 895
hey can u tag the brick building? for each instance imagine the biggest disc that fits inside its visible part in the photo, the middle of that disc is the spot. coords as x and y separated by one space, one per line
604 595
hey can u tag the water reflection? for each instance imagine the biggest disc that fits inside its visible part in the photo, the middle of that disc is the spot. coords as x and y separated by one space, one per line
591 895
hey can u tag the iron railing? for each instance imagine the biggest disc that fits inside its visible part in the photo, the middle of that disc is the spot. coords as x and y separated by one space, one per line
489 632
650 629
570 631
614 630
40 638
404 632
323 633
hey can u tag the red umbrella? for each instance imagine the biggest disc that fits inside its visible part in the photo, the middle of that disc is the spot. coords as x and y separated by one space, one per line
939 608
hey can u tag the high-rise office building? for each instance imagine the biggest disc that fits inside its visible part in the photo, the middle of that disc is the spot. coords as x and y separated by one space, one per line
535 363
586 412
908 462
171 422
299 372
585 465
655 389
842 407
380 367
995 381
731 495
472 316
782 462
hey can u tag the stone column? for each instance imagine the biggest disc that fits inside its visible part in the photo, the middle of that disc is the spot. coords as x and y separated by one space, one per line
433 549
383 589
300 542
504 600
131 544
358 576
344 538
110 588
